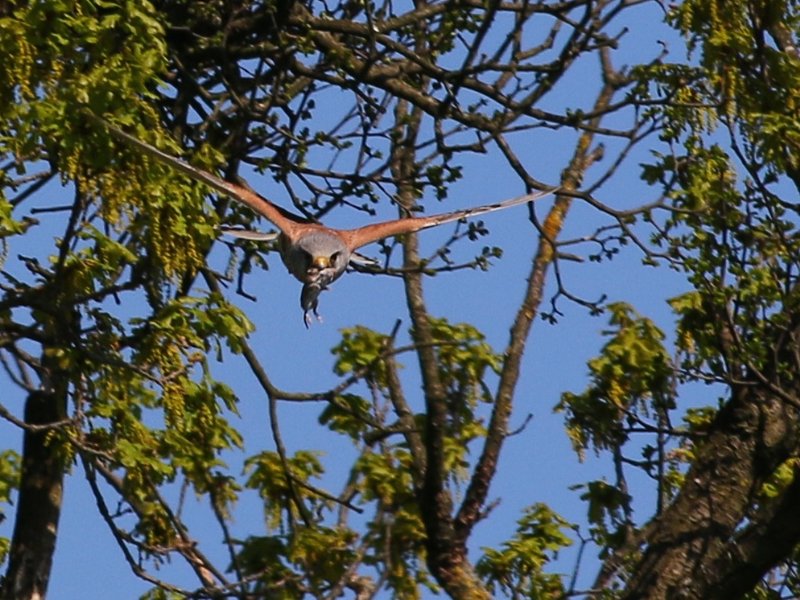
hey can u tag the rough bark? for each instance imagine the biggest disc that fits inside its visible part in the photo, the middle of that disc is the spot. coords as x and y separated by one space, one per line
41 485
710 540
40 495
446 555
772 537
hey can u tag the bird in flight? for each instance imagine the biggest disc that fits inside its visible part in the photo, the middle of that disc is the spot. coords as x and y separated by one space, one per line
315 254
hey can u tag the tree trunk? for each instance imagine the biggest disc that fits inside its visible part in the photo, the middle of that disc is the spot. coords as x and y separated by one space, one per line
690 546
39 505
42 478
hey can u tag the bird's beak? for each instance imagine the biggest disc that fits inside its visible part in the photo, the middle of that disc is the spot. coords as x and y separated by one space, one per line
321 262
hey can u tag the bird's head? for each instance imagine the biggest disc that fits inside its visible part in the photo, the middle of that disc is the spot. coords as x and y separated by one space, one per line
317 259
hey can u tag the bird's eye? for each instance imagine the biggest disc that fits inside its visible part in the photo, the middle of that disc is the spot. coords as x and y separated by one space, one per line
335 257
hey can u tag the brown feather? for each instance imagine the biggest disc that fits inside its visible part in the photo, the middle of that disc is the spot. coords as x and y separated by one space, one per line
287 222
293 227
356 238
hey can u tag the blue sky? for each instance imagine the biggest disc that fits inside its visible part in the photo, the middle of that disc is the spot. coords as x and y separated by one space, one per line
538 464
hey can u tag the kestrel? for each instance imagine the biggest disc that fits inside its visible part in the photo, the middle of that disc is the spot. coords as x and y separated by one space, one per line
315 254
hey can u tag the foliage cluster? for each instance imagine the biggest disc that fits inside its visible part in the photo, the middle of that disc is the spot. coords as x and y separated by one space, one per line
112 320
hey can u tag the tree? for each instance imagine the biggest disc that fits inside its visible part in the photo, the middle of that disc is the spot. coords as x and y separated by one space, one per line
111 336
728 527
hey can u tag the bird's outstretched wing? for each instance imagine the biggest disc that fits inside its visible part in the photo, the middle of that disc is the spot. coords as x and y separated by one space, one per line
355 238
287 222
249 234
292 226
